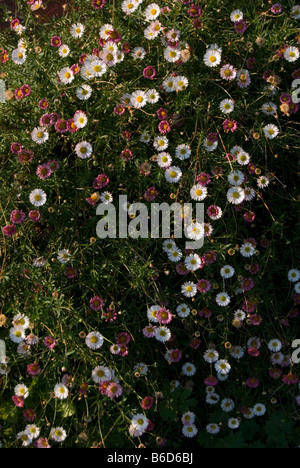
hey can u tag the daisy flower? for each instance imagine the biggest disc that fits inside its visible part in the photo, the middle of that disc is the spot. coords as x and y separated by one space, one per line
195 231
193 262
63 256
228 72
247 250
39 135
175 254
235 195
94 340
189 431
58 434
160 143
152 12
138 99
172 55
37 197
226 106
26 440
227 405
183 151
180 83
152 96
263 181
164 159
198 192
188 369
106 197
162 334
18 56
274 345
138 53
236 15
21 390
211 356
83 150
227 271
212 428
291 54
77 30
293 275
222 299
32 431
222 366
269 108
173 174
271 131
64 50
168 245
169 84
61 391
212 58
259 409
183 310
189 289
233 423
80 119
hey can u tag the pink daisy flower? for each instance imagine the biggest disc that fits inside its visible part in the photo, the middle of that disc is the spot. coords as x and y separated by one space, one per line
175 355
96 303
50 342
26 90
290 379
17 217
203 285
114 390
18 401
16 148
29 415
230 125
162 114
33 369
149 72
101 181
252 382
164 316
147 402
42 442
46 120
123 338
43 104
55 41
43 171
34 215
164 127
240 26
149 331
9 230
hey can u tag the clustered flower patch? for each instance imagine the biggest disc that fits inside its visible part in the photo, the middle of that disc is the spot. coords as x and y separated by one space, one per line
142 342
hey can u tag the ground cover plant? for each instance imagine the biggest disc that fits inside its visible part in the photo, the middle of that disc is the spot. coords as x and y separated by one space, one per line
139 342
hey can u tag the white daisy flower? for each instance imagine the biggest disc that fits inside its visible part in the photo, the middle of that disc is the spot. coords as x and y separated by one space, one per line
198 192
183 310
37 197
235 195
26 440
291 54
32 431
94 340
269 108
212 58
61 391
259 409
106 198
175 254
77 30
39 135
274 345
189 431
249 193
227 271
83 150
212 428
183 151
168 245
21 390
66 75
233 423
58 434
263 182
226 106
17 334
64 50
101 374
138 53
210 145
222 366
164 159
193 262
222 299
152 312
152 12
243 158
97 67
239 314
297 288
80 119
18 56
160 143
181 83
163 334
138 99
271 131
189 289
236 15
295 12
152 96
211 355
173 174
247 249
188 369
63 256
293 275
172 55
140 421
227 405
169 84
195 231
